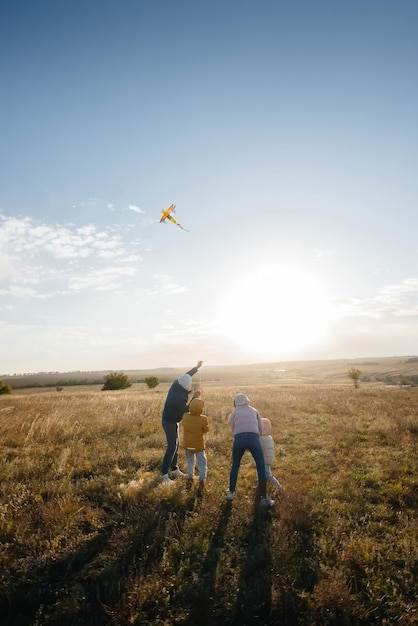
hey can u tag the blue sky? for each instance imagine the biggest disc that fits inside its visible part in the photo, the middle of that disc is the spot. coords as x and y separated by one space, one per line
284 132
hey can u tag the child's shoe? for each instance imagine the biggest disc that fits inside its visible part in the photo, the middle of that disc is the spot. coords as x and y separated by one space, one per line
165 479
230 495
267 503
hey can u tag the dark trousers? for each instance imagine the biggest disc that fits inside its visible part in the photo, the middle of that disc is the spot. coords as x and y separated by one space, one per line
172 452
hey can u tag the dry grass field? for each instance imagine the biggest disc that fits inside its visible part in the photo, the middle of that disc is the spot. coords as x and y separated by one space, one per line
88 535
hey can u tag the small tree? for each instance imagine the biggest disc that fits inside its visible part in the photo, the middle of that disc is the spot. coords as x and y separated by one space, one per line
4 388
152 381
116 381
354 374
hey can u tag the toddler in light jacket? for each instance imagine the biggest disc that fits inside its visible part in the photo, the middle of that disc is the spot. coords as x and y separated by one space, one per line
267 443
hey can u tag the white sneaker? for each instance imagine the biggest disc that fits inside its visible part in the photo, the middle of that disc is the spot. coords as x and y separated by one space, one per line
267 503
165 479
230 495
178 473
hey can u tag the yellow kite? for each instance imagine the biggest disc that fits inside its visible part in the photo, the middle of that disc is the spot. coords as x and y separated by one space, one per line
167 215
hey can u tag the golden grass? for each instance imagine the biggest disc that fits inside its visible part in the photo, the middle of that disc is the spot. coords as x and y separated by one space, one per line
88 535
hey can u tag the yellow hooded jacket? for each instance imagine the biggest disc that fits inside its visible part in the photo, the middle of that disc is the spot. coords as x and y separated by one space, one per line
194 426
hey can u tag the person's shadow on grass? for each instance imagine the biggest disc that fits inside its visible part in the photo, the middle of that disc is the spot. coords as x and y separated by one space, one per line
206 585
253 603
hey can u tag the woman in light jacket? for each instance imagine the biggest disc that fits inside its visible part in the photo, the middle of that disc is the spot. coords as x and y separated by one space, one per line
246 427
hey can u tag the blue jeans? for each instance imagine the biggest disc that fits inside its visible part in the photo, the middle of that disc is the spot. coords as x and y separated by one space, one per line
172 451
250 442
202 465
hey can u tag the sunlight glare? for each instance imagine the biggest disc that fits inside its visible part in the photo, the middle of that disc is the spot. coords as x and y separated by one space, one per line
274 311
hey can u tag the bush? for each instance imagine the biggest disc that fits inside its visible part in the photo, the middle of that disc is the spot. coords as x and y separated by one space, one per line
354 374
152 381
4 388
116 381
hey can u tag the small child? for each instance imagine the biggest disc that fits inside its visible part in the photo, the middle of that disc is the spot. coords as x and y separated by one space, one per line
195 425
267 443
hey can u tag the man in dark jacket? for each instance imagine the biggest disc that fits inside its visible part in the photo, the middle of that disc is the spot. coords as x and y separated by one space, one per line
176 405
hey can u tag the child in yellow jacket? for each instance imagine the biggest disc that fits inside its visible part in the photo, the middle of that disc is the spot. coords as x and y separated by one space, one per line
195 426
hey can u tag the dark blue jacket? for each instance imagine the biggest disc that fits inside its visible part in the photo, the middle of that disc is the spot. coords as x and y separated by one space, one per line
176 404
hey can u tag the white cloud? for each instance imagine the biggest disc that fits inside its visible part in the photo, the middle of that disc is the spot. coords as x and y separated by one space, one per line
135 209
6 264
103 279
320 254
399 300
164 285
18 291
40 260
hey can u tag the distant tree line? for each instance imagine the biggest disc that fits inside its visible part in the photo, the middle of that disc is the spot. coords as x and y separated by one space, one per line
393 379
389 379
113 380
69 382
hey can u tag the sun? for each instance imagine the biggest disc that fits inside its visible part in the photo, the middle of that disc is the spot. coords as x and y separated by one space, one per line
274 311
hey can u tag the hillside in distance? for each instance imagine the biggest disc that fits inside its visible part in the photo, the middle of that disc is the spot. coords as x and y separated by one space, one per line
384 370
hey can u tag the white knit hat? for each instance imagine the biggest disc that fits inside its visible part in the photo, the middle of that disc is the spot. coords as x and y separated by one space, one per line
186 382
